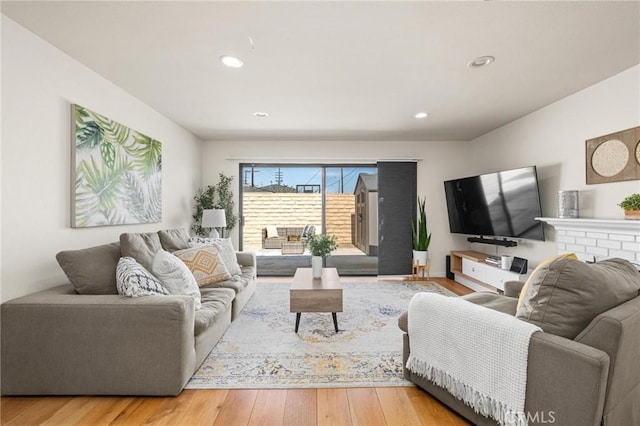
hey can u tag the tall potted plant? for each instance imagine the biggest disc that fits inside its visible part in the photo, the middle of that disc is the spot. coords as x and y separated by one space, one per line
320 246
217 196
421 237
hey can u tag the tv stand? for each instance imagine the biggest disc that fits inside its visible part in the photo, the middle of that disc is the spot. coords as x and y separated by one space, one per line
470 270
493 241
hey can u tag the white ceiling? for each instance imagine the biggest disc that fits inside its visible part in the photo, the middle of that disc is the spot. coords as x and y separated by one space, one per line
343 70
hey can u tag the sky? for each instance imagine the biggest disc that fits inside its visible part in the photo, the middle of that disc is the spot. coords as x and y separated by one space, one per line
292 176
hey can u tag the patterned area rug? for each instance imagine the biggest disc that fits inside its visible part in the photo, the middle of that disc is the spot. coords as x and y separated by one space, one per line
261 350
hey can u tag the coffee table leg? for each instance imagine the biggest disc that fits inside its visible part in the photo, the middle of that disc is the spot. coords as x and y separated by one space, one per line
335 320
297 321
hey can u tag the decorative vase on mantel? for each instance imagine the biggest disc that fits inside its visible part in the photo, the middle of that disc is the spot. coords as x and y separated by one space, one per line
316 266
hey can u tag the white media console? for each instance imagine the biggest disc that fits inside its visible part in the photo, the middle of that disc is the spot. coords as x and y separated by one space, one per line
470 270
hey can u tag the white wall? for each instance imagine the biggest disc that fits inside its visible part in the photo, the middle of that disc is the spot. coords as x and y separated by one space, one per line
39 83
553 139
438 161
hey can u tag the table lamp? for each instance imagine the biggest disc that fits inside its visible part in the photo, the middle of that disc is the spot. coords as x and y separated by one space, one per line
214 218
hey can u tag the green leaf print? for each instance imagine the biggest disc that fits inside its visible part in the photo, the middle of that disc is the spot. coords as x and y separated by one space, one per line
108 153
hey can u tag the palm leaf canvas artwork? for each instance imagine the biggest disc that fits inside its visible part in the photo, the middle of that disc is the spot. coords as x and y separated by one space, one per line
117 173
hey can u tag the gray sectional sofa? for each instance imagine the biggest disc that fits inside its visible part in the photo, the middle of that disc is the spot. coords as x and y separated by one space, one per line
60 342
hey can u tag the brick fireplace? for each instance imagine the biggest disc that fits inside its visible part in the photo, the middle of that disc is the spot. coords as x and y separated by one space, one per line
597 239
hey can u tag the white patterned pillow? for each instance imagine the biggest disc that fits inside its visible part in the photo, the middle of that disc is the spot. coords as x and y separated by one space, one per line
201 241
205 263
228 254
175 276
133 280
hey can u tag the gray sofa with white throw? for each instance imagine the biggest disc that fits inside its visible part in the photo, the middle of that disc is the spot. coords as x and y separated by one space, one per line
85 339
584 368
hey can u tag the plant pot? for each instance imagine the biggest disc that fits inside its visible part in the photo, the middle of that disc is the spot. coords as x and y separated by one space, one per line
632 214
316 266
420 256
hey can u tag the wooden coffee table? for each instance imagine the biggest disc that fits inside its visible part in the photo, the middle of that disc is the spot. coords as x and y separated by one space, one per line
310 294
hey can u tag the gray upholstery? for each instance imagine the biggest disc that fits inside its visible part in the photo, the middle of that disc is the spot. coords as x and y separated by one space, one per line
565 295
513 288
142 247
57 342
617 333
215 302
591 380
506 305
174 239
91 270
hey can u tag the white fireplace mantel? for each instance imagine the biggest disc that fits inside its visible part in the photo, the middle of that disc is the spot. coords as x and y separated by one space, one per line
610 226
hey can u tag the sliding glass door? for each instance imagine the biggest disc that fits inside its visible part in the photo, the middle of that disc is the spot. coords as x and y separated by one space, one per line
282 203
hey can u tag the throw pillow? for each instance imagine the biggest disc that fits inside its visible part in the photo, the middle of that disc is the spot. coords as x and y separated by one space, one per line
293 238
272 231
309 231
91 270
201 241
133 280
174 239
142 247
228 255
205 263
175 276
566 294
537 270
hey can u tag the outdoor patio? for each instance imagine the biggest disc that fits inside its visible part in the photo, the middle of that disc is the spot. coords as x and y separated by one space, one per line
343 250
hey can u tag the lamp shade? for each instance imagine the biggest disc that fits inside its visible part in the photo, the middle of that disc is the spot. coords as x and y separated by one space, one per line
214 218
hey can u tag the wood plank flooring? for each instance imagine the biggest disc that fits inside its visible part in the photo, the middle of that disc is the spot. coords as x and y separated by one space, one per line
270 407
265 407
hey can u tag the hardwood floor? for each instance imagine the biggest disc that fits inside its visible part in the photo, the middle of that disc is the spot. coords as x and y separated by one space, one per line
297 407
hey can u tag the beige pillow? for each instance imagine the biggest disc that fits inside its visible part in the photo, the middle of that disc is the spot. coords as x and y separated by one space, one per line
272 231
566 294
142 247
205 263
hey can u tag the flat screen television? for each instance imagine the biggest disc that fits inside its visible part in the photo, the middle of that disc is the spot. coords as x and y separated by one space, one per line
502 204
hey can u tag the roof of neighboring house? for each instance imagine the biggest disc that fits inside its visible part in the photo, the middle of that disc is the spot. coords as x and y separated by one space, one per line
269 188
369 180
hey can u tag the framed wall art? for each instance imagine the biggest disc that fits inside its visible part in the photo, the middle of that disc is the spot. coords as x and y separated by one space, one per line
116 173
614 157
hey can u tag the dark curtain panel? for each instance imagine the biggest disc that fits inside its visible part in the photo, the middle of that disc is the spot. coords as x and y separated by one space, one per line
397 187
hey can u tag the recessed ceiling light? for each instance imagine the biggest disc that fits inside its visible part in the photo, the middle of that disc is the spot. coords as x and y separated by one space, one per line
481 61
421 115
261 114
231 61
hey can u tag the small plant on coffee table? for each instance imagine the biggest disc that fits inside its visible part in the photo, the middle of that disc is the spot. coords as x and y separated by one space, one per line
321 245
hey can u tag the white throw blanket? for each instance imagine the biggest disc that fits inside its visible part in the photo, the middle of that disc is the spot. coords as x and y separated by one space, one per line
479 355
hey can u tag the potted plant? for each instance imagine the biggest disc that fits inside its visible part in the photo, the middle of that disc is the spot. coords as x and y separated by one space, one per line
421 237
631 206
320 246
217 196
